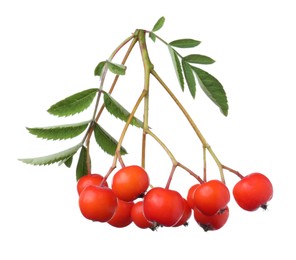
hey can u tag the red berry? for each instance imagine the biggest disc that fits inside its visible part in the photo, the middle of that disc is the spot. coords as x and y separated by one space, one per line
190 195
253 191
211 197
163 206
213 222
139 218
97 203
186 215
130 182
122 215
89 179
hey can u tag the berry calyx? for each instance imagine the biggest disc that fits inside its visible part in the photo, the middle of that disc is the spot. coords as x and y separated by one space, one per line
210 223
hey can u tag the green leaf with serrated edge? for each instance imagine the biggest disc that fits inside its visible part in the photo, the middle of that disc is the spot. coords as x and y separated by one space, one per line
73 104
69 161
81 168
106 141
189 77
158 24
59 132
62 157
184 43
115 68
198 59
117 110
177 67
152 36
99 68
212 88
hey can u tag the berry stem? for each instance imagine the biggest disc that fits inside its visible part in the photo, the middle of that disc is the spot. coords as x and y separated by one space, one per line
171 176
95 117
117 152
204 152
193 125
233 171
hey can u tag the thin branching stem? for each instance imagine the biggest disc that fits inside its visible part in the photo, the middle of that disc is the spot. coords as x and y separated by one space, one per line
192 123
117 153
95 117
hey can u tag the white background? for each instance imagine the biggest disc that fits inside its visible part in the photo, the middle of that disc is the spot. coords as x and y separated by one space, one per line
48 51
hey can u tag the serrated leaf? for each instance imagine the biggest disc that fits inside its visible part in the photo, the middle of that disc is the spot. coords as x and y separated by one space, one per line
106 141
152 36
61 157
81 168
177 66
69 161
189 77
158 24
73 104
115 68
99 68
119 111
184 43
213 89
59 132
198 59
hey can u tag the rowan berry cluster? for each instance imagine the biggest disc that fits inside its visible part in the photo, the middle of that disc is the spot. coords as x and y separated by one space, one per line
131 197
131 200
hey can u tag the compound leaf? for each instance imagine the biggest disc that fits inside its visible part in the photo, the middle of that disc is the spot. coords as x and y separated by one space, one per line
106 141
61 157
212 88
81 168
177 66
198 59
73 104
59 132
119 111
184 43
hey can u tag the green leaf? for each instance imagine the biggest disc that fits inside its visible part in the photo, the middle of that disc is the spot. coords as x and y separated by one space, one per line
152 36
185 43
106 141
59 132
119 111
99 68
81 168
158 24
189 76
199 59
69 161
177 66
212 88
73 104
115 68
61 157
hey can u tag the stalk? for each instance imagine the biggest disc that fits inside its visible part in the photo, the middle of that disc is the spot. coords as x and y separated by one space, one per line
103 76
191 122
117 151
148 66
